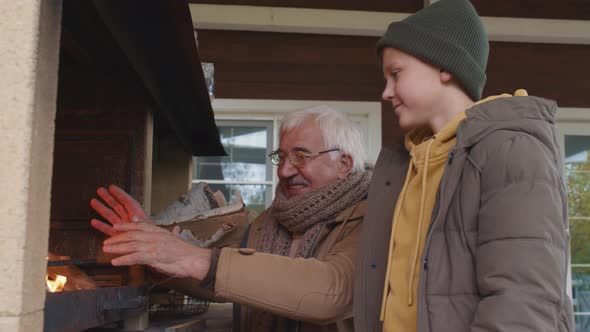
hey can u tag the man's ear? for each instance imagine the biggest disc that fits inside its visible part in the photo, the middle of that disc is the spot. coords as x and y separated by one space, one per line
344 166
445 76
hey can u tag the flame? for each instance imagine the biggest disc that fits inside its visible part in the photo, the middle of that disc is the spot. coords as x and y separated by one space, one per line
55 284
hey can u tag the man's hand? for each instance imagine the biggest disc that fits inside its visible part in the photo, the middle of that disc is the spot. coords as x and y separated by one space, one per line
164 251
122 208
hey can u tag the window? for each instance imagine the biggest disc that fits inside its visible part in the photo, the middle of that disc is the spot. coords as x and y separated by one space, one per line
575 138
246 169
577 169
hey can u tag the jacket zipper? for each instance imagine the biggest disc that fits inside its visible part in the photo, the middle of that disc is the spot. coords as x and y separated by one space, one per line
427 243
434 215
435 211
429 233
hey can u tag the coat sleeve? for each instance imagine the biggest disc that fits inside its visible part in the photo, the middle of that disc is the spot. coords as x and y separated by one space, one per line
521 254
312 290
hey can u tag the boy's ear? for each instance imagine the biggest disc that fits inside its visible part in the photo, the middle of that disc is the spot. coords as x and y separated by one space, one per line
445 76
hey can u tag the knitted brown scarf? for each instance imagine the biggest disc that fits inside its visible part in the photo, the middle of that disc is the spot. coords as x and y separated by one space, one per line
307 214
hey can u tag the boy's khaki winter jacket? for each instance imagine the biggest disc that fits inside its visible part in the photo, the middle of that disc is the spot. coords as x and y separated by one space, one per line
497 250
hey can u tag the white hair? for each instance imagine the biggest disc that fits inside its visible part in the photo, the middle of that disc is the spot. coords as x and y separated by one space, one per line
338 131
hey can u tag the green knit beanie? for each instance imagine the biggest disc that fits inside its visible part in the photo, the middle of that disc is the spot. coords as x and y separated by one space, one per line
448 34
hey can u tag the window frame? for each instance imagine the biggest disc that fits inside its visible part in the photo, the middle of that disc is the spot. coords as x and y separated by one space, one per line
572 121
269 125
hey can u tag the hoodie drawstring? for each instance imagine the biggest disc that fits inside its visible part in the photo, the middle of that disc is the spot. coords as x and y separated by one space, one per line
418 234
420 223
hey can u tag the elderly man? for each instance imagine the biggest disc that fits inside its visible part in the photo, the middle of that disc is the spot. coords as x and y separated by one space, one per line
296 272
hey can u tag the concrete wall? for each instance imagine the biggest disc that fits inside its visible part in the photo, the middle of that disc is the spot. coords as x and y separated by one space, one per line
29 49
171 173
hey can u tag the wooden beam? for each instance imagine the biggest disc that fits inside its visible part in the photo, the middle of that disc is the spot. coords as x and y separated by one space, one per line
552 9
402 6
363 23
293 20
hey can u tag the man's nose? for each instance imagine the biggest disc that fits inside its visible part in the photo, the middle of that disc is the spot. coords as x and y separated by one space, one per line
387 93
286 169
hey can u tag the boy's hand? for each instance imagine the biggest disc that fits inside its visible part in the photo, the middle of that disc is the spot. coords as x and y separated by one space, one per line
121 209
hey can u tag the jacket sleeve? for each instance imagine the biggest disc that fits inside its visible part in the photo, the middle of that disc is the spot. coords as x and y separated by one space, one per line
521 254
312 290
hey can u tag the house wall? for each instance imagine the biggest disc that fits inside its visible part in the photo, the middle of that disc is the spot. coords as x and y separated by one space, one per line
272 65
28 67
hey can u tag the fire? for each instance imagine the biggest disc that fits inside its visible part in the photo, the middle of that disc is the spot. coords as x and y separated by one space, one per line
55 284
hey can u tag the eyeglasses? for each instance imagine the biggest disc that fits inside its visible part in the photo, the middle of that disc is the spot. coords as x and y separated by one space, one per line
296 157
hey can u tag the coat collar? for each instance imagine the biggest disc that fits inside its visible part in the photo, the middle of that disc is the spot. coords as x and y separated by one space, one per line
352 213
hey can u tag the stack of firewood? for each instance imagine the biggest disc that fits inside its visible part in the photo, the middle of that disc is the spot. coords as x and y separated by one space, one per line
206 219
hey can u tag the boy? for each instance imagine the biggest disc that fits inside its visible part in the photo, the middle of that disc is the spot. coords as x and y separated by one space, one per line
474 236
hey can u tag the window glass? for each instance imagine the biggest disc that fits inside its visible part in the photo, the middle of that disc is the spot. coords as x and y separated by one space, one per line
246 168
577 169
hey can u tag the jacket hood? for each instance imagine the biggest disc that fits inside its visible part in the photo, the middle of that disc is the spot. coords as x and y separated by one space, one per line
532 115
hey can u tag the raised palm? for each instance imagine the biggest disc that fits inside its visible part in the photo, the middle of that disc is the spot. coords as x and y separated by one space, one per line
122 208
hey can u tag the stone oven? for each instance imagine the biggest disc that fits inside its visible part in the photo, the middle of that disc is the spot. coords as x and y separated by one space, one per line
129 79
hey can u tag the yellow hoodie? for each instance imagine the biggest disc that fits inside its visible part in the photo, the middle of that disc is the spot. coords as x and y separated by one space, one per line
411 221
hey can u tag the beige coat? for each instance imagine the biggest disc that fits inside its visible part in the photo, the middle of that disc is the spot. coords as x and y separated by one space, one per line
313 294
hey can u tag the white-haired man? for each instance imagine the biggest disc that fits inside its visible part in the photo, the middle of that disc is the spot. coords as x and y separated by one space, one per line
295 270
